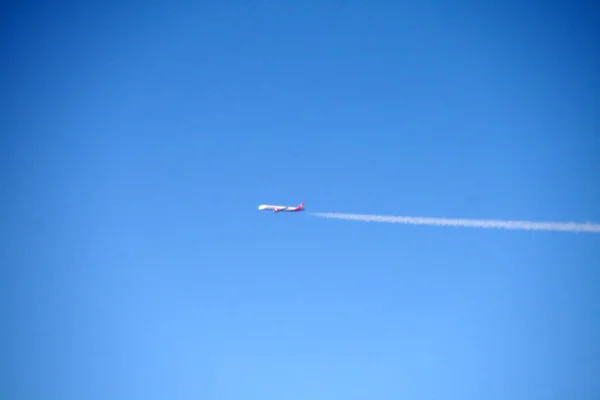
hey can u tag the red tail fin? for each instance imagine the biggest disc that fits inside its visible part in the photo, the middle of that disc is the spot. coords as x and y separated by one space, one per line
301 206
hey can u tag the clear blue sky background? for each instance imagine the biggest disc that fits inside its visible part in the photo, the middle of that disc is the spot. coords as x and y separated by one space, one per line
138 140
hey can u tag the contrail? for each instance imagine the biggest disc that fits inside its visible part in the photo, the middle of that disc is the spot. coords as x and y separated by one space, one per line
467 223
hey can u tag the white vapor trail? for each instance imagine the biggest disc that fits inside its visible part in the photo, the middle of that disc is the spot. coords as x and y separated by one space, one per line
467 223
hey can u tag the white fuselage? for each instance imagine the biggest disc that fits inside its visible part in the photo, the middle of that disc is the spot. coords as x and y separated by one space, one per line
278 208
271 207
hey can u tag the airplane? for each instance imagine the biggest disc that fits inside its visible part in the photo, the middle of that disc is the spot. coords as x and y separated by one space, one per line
277 209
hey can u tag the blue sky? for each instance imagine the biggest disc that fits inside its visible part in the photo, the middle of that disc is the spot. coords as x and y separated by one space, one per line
137 142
